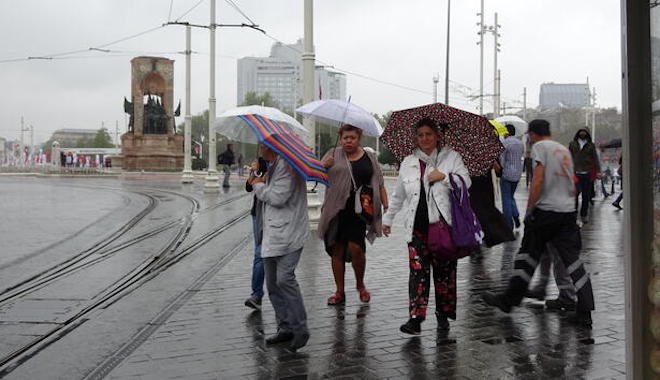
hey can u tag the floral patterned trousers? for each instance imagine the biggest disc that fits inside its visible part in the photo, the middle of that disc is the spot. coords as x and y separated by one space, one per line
444 279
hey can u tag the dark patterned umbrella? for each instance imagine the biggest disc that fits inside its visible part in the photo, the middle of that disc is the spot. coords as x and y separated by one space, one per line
471 135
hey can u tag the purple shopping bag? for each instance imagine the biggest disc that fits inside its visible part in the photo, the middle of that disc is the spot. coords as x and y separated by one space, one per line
466 229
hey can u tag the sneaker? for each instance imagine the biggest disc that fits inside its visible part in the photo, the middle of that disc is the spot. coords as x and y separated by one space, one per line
516 222
299 341
581 318
536 293
585 219
617 205
253 303
412 327
496 300
560 304
443 322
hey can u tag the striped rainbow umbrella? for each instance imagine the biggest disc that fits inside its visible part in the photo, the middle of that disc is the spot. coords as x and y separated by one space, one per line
289 146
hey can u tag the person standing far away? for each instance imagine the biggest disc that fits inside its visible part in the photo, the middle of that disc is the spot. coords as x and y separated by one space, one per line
585 159
239 164
617 202
350 168
285 230
422 192
258 168
550 218
512 168
226 159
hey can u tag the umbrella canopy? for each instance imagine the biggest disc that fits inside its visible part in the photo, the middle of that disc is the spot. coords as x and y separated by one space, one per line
471 135
500 128
614 143
336 113
231 125
289 146
520 124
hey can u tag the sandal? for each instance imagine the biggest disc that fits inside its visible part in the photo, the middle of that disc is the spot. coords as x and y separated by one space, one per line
337 298
365 296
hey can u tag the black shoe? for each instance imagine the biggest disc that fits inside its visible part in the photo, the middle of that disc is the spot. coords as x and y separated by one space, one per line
496 300
537 293
299 341
617 205
516 222
281 336
254 303
412 327
443 322
580 318
560 304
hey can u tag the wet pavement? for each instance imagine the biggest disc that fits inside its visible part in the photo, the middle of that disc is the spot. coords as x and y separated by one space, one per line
213 336
190 321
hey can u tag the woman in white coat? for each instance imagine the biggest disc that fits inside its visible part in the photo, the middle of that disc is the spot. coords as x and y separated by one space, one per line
422 193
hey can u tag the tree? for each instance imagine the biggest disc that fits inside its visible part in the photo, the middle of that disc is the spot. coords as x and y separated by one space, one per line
252 98
102 139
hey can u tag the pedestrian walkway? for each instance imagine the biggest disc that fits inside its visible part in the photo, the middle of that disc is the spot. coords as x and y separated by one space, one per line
214 336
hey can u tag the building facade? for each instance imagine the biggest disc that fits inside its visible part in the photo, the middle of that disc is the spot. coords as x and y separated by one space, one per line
280 75
569 95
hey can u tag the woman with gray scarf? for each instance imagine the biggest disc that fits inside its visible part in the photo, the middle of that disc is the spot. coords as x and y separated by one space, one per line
422 192
342 230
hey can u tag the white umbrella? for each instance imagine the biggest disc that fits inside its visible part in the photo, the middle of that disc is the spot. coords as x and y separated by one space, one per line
336 113
518 123
230 125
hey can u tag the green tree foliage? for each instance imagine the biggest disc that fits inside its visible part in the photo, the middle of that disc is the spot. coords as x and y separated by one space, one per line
252 98
102 139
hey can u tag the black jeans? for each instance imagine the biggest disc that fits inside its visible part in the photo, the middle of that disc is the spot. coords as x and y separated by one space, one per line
559 229
584 187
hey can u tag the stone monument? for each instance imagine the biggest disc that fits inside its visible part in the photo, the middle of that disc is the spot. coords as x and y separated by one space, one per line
151 142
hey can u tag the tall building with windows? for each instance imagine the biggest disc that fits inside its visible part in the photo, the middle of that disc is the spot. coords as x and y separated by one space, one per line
280 75
571 95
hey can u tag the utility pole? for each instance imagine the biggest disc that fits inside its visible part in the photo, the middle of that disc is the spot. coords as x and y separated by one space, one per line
187 176
447 56
496 71
117 134
436 79
211 184
308 58
593 115
586 110
481 58
525 103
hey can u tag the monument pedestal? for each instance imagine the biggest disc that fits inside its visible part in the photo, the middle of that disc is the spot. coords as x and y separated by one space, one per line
152 152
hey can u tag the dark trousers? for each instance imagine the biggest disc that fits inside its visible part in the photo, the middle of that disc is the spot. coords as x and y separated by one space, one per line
584 187
560 230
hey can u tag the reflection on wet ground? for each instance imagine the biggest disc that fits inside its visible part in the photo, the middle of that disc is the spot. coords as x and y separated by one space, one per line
215 336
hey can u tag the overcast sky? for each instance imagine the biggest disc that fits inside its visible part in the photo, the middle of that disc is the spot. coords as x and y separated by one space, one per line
388 41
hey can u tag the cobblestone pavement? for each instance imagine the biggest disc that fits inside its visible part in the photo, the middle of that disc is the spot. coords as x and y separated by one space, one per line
213 336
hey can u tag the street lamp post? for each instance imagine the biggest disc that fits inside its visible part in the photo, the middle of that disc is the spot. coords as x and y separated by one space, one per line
187 176
211 184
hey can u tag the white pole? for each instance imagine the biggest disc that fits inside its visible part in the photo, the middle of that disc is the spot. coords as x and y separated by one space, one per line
447 55
308 58
496 89
435 88
525 103
211 184
117 134
481 60
593 115
187 176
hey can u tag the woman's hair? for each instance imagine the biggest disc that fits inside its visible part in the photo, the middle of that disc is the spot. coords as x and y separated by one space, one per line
349 128
427 122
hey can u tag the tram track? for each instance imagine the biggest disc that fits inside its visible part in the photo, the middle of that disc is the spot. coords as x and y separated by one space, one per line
103 249
170 254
